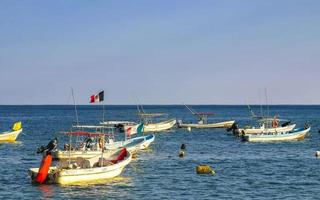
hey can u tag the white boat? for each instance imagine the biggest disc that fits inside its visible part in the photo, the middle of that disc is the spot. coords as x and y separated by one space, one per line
11 136
94 148
160 126
203 121
226 124
264 129
296 134
84 170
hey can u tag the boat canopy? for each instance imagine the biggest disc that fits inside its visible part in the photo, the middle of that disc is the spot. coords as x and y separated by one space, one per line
84 133
151 114
204 114
91 126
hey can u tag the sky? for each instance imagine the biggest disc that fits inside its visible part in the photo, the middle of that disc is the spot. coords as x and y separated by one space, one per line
160 51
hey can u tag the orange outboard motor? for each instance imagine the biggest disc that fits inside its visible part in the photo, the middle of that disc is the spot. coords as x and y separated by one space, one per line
44 169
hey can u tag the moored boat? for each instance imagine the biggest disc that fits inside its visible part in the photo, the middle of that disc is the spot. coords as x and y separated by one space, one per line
203 121
160 126
264 129
226 124
296 134
82 170
12 135
93 143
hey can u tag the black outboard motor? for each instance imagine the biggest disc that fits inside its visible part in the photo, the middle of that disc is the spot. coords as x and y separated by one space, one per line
285 124
52 145
234 127
306 126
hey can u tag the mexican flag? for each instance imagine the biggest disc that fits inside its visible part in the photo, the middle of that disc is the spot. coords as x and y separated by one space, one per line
97 97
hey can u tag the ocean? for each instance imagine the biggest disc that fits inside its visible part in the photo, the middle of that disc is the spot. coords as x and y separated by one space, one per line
279 170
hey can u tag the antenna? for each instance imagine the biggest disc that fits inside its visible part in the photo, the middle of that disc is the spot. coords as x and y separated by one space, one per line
267 105
75 106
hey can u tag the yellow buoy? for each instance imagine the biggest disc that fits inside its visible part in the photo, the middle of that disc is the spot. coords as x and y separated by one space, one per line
181 154
204 169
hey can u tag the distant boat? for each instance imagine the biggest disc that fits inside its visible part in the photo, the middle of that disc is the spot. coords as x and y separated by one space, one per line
150 126
203 121
296 134
11 136
119 125
225 124
263 129
81 170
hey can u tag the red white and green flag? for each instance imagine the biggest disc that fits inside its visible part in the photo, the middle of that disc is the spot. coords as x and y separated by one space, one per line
97 97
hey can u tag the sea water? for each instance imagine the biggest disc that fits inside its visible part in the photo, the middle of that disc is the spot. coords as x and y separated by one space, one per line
280 170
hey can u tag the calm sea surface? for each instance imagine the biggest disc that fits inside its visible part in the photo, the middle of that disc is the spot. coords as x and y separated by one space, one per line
244 170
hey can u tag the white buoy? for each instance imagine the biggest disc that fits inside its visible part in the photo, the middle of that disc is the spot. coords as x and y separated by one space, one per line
189 129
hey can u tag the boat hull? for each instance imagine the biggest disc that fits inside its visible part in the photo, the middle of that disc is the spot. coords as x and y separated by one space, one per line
296 134
226 124
161 126
10 136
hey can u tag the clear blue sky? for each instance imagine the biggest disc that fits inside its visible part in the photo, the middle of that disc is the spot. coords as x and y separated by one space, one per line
160 52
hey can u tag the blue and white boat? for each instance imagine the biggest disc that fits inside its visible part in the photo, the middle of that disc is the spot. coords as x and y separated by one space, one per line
295 134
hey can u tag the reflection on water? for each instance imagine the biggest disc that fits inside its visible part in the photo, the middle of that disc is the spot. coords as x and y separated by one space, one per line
11 142
47 191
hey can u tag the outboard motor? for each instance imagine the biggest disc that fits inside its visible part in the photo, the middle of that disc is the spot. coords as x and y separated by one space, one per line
285 124
306 126
234 127
46 161
52 145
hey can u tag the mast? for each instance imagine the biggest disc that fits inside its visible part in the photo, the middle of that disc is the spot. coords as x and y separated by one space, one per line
75 106
191 110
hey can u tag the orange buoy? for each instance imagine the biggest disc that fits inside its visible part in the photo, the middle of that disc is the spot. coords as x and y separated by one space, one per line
44 169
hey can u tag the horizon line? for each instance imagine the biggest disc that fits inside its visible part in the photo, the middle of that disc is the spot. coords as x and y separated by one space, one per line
147 104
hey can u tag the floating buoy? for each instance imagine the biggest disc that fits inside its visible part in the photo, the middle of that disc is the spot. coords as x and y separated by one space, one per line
204 169
181 154
317 153
182 151
44 169
189 129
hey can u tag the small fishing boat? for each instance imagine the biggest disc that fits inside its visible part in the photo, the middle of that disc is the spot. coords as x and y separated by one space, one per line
203 121
81 170
264 129
226 124
11 136
90 144
296 134
119 125
160 126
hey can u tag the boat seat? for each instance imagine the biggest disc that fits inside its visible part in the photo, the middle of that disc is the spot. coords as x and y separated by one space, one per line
104 162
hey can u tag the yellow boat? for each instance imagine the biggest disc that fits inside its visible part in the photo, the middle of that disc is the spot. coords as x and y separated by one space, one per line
11 136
